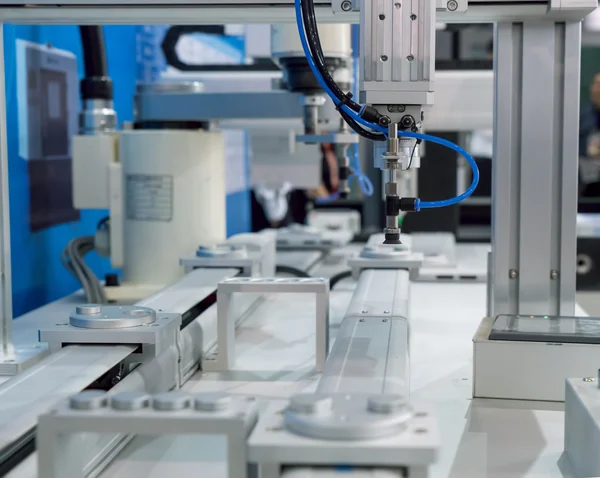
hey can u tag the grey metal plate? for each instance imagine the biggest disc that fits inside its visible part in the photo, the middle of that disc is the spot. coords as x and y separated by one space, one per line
544 328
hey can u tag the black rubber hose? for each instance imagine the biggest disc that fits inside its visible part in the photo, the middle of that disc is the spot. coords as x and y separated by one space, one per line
338 278
94 51
95 85
292 271
314 44
359 129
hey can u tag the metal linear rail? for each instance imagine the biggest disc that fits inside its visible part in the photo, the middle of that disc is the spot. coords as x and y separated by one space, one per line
371 349
25 397
198 12
34 391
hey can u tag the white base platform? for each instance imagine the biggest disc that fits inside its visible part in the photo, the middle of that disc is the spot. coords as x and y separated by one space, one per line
582 426
479 438
528 370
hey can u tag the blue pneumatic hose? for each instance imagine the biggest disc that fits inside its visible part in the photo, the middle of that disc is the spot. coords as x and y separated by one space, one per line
356 117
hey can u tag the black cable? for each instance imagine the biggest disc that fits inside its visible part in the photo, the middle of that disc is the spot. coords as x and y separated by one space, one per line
359 129
412 155
338 278
95 85
314 44
292 271
94 51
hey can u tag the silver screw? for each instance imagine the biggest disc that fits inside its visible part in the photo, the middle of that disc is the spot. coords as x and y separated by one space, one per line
384 58
452 5
553 274
513 274
212 402
410 57
365 311
397 4
88 309
386 311
385 320
381 16
589 379
413 17
346 6
310 404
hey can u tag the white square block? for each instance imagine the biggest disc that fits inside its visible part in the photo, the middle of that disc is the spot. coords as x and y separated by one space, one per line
528 370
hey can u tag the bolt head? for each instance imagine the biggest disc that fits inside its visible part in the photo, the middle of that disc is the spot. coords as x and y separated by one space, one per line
384 121
346 6
384 58
588 379
311 404
452 5
212 402
88 400
128 401
88 309
386 404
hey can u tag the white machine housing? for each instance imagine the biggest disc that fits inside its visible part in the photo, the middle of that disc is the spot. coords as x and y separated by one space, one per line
165 191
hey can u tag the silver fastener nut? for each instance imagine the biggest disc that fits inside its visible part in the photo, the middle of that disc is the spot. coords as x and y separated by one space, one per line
169 402
88 309
452 5
310 404
346 6
212 402
386 404
88 400
128 401
135 312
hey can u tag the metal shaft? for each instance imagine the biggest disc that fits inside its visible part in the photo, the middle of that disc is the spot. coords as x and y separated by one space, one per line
311 119
392 231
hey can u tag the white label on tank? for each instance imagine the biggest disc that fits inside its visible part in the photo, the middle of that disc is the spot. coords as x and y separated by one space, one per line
149 197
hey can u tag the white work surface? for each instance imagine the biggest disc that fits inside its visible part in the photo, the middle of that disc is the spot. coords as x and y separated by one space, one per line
479 438
275 347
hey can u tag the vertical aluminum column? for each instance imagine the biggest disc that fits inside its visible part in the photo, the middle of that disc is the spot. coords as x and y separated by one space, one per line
535 168
5 271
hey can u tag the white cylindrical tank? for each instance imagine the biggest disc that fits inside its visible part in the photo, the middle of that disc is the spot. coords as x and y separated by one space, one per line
174 199
336 41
